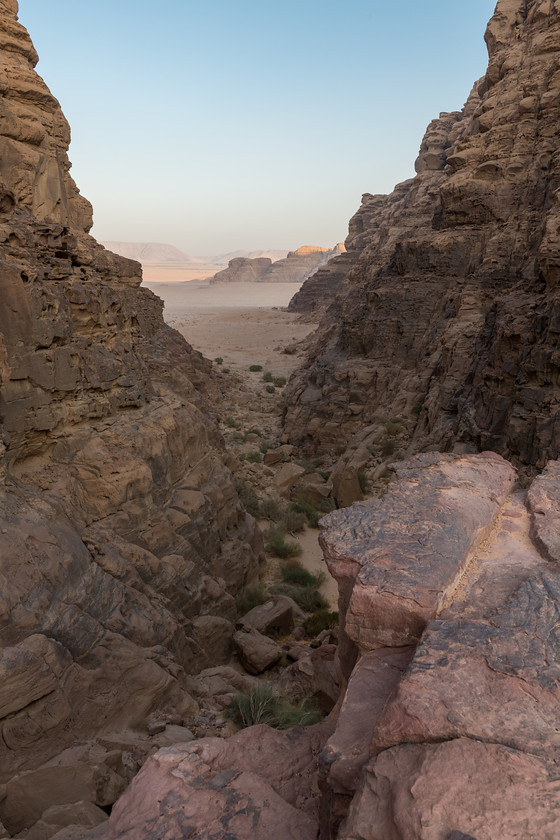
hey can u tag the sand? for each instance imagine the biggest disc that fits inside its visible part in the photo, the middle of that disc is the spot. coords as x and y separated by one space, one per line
245 324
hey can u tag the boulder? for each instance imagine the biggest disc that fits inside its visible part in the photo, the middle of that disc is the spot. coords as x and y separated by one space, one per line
257 653
273 618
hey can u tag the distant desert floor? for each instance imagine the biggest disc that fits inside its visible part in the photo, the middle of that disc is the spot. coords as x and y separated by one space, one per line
243 323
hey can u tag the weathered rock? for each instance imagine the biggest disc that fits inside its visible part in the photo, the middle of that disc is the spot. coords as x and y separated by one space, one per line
119 524
543 501
273 618
432 790
279 455
257 784
286 477
448 314
398 561
256 652
79 815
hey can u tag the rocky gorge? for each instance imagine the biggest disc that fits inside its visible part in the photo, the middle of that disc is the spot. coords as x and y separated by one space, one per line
124 542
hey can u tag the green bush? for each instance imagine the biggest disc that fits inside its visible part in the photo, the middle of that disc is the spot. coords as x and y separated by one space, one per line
309 599
388 447
276 545
225 370
294 572
230 422
251 597
308 510
263 705
256 432
219 360
270 389
293 521
271 509
267 376
253 457
416 409
324 474
363 481
255 368
321 620
247 497
279 381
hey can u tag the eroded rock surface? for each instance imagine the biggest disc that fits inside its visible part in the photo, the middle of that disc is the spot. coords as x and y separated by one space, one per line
295 268
122 540
449 316
479 691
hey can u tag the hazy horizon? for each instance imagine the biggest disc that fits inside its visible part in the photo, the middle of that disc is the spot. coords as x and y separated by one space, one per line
224 127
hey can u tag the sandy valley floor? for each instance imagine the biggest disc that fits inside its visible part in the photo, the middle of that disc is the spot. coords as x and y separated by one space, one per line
245 324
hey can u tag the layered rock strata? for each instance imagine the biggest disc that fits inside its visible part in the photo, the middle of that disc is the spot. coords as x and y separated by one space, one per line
449 317
295 268
122 540
447 725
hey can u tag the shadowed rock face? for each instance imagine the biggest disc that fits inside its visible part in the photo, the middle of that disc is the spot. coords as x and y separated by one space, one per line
450 313
119 524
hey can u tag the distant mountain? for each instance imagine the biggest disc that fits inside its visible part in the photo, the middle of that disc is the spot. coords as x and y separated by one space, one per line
150 253
159 253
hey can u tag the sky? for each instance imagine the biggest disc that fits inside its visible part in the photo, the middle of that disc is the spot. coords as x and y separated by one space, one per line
249 124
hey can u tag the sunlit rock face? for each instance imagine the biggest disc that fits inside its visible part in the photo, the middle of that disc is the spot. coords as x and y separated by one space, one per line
450 313
119 523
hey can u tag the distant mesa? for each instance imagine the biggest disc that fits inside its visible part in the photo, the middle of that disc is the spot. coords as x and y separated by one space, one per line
296 267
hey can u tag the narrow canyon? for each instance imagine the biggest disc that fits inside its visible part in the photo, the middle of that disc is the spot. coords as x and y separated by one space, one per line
141 484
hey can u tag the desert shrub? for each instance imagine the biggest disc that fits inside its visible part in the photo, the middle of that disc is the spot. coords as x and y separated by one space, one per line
263 447
416 409
270 389
321 620
271 509
308 510
255 368
251 597
393 427
293 521
388 447
219 360
363 482
230 422
308 466
293 572
254 457
306 597
247 497
326 505
253 431
225 370
267 376
277 545
324 474
263 705
279 381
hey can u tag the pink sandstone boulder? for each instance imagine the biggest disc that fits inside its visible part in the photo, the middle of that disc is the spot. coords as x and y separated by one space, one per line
258 784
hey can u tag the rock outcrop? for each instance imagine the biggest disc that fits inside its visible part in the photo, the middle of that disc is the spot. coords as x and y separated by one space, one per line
121 535
295 268
447 725
449 317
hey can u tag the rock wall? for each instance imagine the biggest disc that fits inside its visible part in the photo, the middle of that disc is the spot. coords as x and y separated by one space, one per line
449 317
122 540
295 268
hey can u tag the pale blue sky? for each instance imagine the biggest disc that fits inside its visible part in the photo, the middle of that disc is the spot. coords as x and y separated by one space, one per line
220 125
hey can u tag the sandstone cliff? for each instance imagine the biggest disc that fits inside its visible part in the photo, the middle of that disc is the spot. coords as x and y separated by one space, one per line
295 268
448 319
122 541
